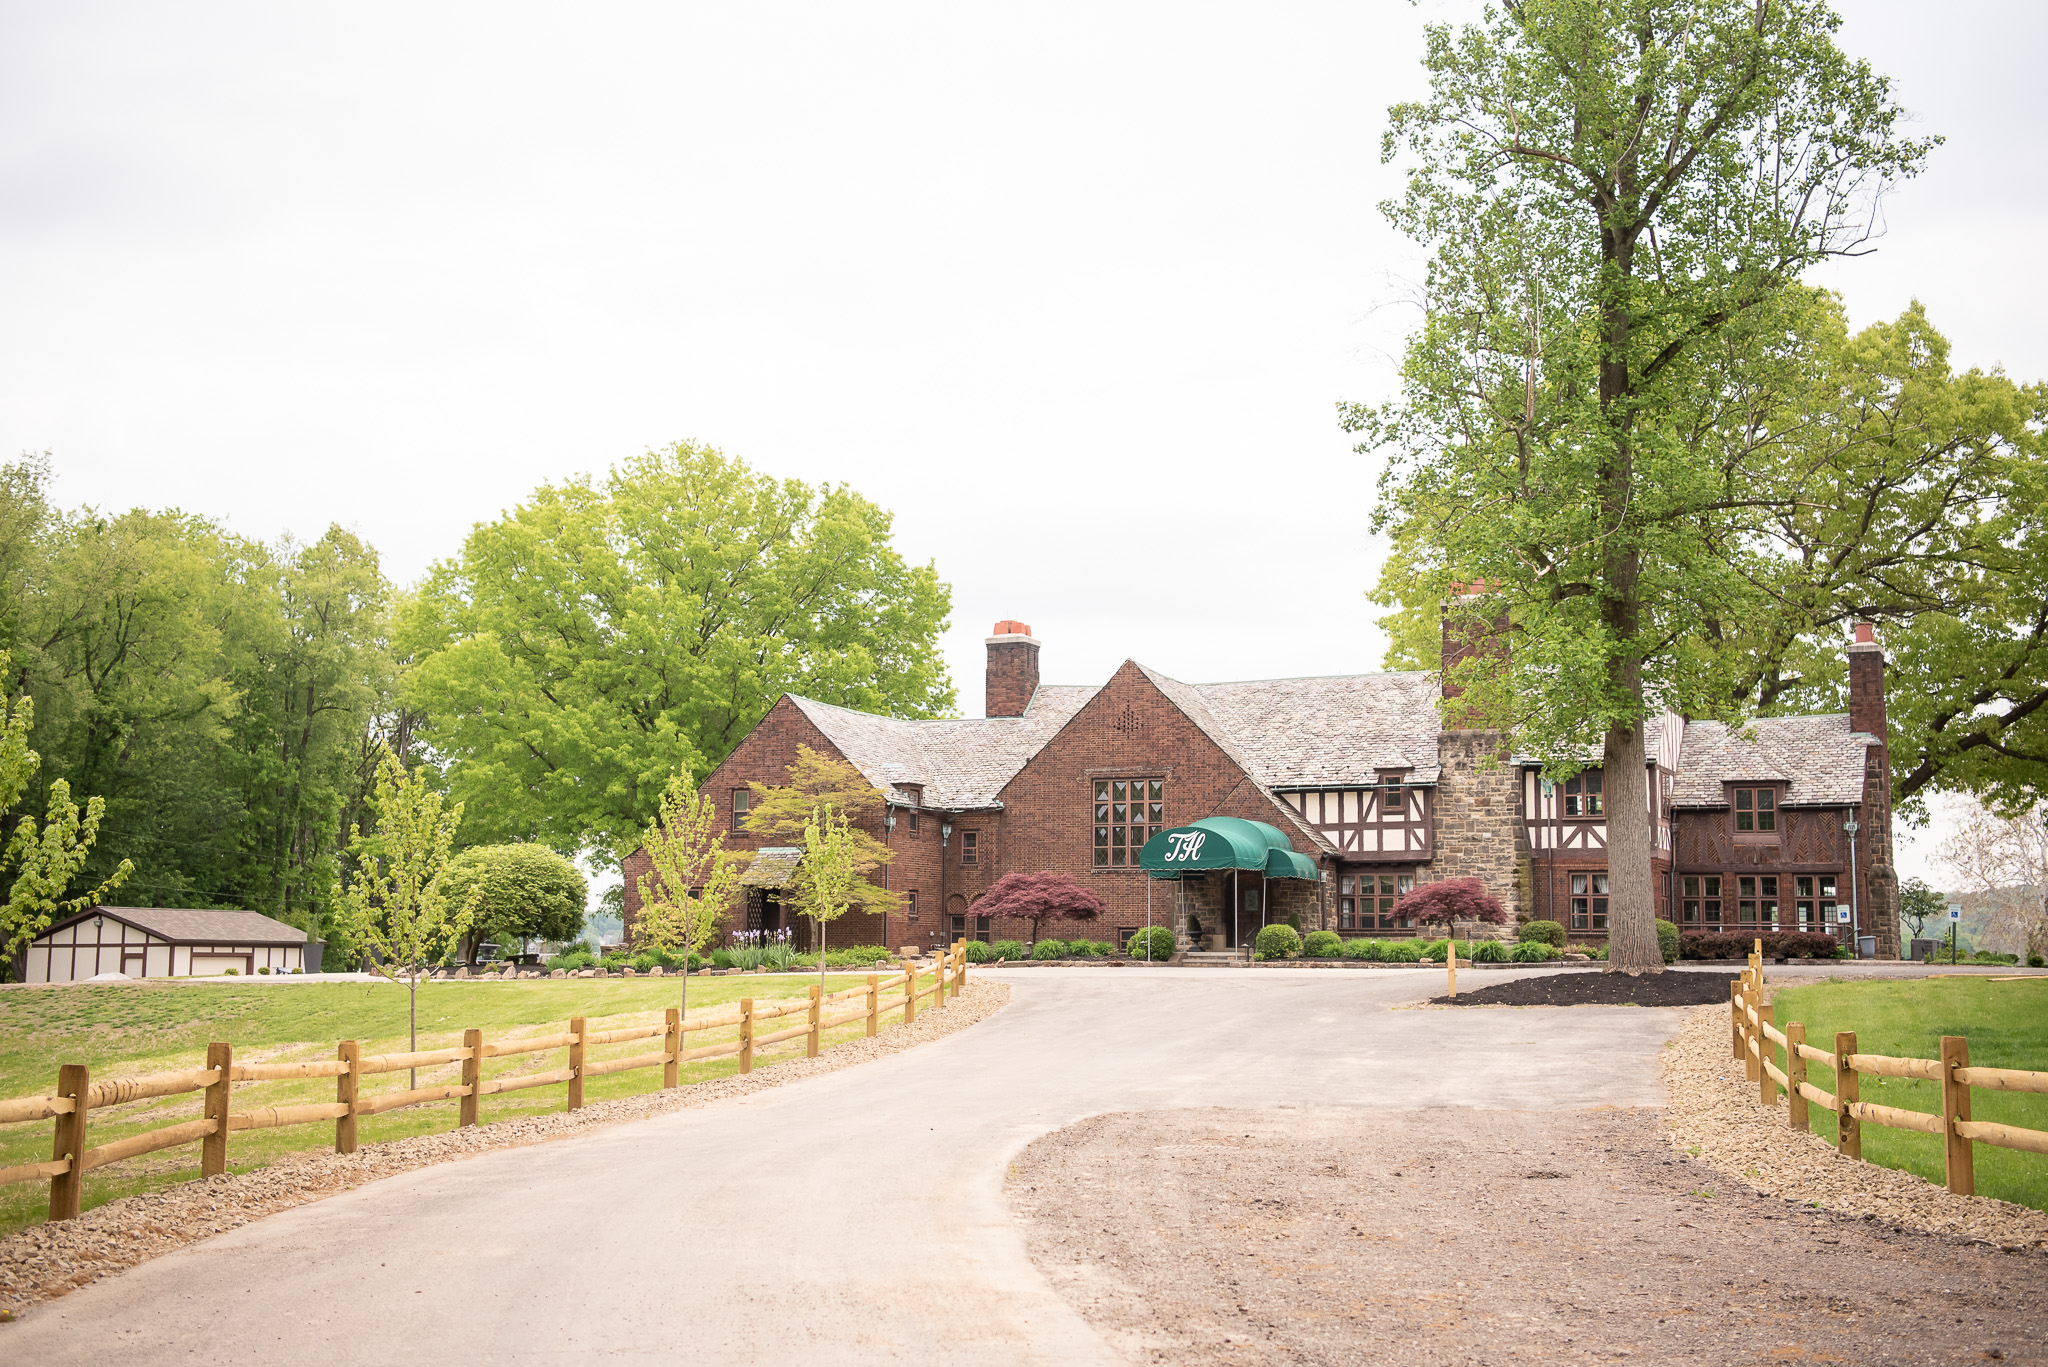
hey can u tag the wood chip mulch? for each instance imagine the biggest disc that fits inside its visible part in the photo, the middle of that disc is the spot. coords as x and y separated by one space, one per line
1600 989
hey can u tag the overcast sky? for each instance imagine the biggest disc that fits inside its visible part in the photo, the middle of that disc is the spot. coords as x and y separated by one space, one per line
1072 288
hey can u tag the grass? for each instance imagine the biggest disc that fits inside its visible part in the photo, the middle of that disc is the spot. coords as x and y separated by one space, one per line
120 1030
2007 1026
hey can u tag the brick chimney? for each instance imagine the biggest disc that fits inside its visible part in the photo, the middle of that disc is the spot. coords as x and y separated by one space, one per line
1012 670
1866 683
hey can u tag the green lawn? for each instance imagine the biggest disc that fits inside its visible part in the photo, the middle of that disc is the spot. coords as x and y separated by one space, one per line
2007 1026
119 1030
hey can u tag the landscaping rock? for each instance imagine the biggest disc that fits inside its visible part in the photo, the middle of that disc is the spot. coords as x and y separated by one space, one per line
559 973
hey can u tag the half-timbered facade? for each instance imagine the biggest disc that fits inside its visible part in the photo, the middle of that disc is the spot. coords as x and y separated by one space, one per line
1355 771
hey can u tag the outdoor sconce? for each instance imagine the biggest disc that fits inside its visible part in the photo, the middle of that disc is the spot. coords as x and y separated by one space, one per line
945 832
99 924
889 820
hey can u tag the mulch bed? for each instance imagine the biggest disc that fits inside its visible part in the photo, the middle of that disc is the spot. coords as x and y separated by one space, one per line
1600 989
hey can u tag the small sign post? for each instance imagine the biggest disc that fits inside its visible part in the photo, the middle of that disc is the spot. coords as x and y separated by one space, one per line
1955 917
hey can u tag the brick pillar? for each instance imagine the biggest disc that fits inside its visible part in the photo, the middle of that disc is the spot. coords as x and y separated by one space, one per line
1879 890
1012 675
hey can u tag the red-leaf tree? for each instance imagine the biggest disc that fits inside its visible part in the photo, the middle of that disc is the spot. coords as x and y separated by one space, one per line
1454 899
1046 896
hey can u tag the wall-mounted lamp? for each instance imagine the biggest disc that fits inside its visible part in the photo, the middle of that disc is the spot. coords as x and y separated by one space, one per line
99 923
889 821
945 830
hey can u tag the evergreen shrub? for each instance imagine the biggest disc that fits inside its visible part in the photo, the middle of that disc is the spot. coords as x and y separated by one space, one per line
1542 932
1323 944
1278 942
1154 945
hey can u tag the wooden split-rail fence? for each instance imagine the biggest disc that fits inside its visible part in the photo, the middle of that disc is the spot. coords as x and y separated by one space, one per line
1757 1040
77 1095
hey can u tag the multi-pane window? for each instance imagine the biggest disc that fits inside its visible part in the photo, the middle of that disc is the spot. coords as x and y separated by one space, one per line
1589 901
1128 812
1756 901
1700 899
913 821
1756 809
970 847
1392 807
1814 897
1582 794
741 797
1366 901
910 905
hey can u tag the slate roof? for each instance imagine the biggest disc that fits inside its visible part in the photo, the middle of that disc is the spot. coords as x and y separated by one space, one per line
772 867
187 926
962 763
1596 753
1819 759
1330 732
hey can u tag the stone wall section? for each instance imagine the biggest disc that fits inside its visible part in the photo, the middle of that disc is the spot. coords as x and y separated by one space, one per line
1479 826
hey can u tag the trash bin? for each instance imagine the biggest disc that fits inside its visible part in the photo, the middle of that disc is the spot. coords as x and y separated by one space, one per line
1866 946
314 949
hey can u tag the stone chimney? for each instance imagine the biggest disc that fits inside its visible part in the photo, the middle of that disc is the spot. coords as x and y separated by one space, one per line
1012 670
1866 683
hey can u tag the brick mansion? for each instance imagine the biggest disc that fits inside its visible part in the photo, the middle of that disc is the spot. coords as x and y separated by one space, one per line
1322 799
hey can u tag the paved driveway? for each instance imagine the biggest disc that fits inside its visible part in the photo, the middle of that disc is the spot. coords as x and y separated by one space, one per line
856 1217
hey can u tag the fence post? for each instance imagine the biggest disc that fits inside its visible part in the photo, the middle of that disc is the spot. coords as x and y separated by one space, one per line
1795 1074
1766 1089
351 1055
576 1064
874 1004
1752 1000
1961 1156
1451 963
746 1034
960 970
673 1043
74 1081
909 990
811 1040
1848 1091
472 1078
213 1150
1735 1017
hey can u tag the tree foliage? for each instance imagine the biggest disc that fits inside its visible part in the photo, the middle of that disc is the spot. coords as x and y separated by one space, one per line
1918 905
689 886
1453 899
517 892
1619 198
2004 859
606 634
780 816
1040 897
46 856
828 875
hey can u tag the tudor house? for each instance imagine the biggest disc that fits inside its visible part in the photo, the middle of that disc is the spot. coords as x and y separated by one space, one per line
1355 774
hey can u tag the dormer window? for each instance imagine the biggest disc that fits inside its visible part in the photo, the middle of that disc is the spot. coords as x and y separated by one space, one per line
1393 808
1582 795
1756 810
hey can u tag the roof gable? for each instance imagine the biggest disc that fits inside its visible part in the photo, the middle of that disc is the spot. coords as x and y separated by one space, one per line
1818 759
185 925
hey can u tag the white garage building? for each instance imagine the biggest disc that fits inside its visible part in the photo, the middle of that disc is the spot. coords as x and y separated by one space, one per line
162 942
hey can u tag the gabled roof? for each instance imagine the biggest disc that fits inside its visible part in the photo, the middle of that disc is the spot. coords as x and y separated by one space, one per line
182 925
772 867
1335 731
962 763
1819 759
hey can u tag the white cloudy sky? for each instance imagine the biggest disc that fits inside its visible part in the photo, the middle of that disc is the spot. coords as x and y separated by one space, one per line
1072 288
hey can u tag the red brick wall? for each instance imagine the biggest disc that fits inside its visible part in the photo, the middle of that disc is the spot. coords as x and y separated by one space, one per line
1012 676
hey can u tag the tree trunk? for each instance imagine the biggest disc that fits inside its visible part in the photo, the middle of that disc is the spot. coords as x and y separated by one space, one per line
1631 882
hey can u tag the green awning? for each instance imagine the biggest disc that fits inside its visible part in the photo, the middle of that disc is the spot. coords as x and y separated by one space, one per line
1289 864
1223 842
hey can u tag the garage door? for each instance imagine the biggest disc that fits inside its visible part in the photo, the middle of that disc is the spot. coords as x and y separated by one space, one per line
213 965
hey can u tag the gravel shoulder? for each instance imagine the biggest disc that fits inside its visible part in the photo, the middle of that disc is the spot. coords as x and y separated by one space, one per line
50 1260
1212 1236
1713 1113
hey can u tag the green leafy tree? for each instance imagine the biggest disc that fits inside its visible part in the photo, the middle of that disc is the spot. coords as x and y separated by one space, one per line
45 857
394 902
689 887
517 892
1919 904
606 634
1619 198
828 875
780 815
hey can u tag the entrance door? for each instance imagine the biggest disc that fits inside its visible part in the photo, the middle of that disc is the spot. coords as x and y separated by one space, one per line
132 963
1244 927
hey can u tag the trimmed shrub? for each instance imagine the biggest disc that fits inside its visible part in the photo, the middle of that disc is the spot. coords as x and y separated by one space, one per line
1004 950
1667 941
1489 952
1050 949
1195 927
2036 961
1323 944
1541 932
1154 945
1400 952
1366 951
1533 951
978 953
1278 942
